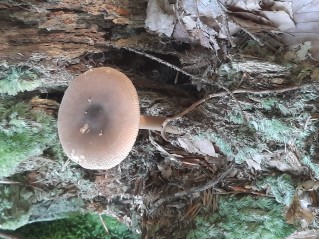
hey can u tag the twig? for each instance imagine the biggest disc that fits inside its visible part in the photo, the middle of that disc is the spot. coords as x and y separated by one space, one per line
307 122
176 78
226 92
220 94
160 148
103 223
193 77
162 62
65 164
278 90
192 190
237 192
9 182
239 105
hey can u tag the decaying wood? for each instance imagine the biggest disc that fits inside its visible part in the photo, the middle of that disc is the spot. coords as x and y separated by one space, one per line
65 30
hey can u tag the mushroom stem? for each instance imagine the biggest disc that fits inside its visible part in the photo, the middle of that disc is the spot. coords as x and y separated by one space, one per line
155 123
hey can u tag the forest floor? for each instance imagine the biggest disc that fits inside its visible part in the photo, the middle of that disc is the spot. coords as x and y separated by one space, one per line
244 166
246 158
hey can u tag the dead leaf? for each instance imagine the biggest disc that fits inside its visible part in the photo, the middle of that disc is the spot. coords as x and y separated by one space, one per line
308 234
298 212
189 23
187 145
309 185
252 26
279 19
199 146
306 18
180 34
166 170
209 8
248 5
255 161
303 51
157 19
315 74
285 6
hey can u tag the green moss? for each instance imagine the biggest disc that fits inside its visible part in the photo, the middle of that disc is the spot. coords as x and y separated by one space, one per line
49 210
243 217
84 226
222 143
261 125
14 206
293 106
236 142
275 130
236 117
306 160
268 103
281 187
15 79
23 134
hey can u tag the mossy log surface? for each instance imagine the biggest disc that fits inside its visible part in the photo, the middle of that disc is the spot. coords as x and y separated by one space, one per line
254 114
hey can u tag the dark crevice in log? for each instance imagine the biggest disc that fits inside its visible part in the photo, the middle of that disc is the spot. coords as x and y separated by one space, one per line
66 10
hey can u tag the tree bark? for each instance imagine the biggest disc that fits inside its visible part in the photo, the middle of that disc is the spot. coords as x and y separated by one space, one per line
66 30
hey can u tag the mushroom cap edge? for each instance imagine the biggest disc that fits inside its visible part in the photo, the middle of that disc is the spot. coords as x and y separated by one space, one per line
90 132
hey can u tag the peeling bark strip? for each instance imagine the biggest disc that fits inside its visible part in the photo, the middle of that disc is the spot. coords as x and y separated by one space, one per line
65 30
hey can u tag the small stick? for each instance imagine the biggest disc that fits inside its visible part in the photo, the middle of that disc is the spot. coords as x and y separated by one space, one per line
193 106
239 105
103 223
9 182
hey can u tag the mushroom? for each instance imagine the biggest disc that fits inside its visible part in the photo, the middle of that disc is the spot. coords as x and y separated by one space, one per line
99 118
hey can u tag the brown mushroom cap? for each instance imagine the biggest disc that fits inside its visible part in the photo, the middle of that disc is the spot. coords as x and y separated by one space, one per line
99 118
